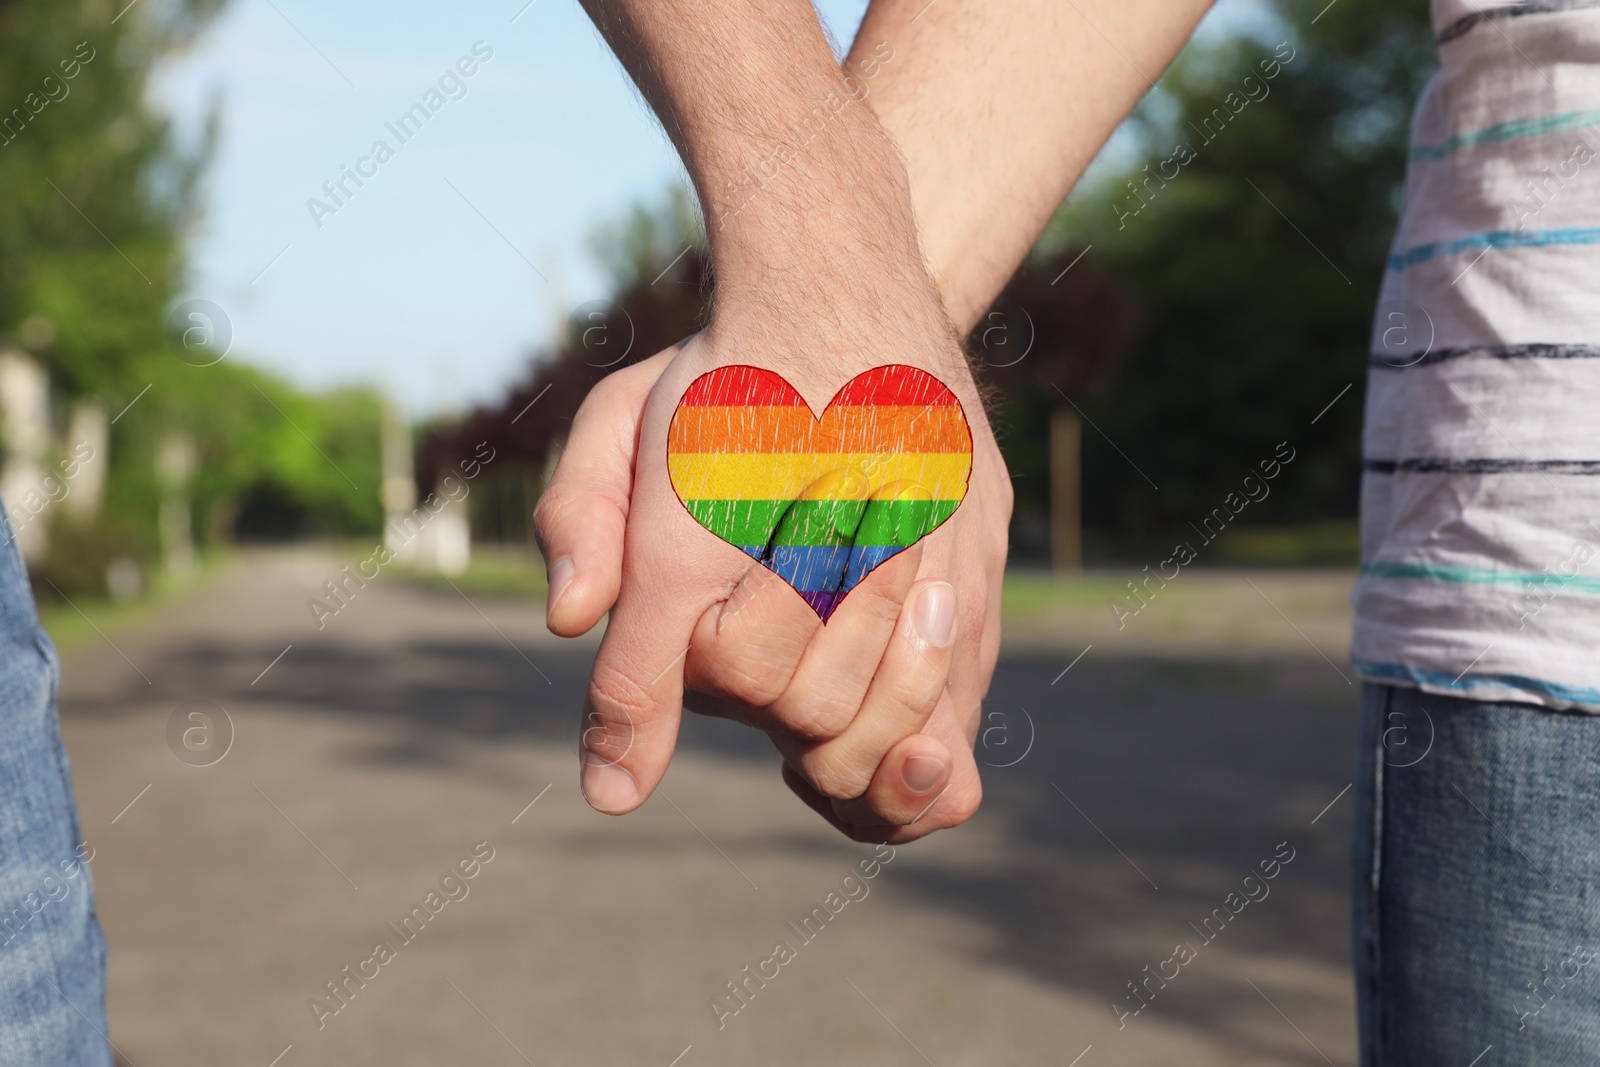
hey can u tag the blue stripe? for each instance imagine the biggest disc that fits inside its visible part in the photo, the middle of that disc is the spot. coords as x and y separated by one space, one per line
1503 131
1395 672
1499 239
1436 572
816 568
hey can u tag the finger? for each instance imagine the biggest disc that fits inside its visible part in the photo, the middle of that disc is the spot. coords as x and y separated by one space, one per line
581 516
836 668
671 573
906 784
908 683
745 649
747 654
815 800
634 702
956 801
977 646
904 793
974 666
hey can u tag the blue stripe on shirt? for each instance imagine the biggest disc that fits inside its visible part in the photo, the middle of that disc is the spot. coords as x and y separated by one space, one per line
1503 131
1586 235
1396 672
1436 572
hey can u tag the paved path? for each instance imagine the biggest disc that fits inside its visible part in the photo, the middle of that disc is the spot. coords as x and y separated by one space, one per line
377 753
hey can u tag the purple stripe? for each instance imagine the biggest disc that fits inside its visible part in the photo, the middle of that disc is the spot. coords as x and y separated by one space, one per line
823 602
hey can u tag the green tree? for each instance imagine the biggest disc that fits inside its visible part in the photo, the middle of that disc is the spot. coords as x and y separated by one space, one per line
99 192
1253 269
101 196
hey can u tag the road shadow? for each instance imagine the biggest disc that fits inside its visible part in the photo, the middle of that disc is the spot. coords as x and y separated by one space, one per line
1136 794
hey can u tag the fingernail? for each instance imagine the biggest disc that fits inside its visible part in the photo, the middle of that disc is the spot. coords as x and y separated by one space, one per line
607 787
922 773
935 615
562 571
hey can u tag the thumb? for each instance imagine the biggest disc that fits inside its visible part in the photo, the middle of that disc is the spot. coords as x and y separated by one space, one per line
581 515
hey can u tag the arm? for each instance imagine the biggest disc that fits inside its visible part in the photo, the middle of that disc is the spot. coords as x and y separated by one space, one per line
992 147
800 186
819 277
998 108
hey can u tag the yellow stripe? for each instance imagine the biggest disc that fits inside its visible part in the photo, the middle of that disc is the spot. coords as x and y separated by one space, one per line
828 475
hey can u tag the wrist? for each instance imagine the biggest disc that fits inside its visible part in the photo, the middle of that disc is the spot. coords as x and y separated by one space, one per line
829 239
829 196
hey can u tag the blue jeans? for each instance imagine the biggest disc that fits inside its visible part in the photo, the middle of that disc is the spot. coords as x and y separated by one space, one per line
52 954
1476 883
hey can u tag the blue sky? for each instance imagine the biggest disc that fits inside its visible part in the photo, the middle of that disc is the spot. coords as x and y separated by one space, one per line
426 280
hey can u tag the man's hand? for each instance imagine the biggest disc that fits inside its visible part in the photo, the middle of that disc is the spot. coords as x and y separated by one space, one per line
875 713
819 276
995 110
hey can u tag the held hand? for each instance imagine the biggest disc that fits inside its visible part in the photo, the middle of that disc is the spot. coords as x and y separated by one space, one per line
875 713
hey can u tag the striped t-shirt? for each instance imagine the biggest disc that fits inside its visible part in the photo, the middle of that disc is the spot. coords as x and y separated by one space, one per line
1480 496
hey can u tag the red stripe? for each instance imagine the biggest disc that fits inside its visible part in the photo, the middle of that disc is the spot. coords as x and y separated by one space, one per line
894 384
738 385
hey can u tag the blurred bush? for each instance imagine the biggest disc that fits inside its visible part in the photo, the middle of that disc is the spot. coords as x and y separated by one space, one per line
1253 272
83 553
1214 315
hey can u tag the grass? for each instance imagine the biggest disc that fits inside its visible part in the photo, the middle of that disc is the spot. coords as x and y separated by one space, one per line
1201 600
1323 543
514 572
1334 542
70 624
494 571
1028 592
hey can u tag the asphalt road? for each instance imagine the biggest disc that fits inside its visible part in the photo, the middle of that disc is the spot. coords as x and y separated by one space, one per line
421 730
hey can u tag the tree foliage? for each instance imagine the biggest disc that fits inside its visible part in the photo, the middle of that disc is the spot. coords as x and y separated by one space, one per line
101 197
1217 312
1253 270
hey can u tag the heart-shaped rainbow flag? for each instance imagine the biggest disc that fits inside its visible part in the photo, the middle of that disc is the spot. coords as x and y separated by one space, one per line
821 502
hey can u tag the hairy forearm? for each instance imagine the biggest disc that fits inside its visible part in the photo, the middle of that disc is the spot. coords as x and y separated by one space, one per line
803 193
997 108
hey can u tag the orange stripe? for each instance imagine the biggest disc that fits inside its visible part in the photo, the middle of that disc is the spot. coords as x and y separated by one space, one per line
842 429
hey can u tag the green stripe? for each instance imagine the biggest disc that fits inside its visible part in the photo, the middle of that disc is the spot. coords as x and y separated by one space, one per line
1503 131
1479 575
821 522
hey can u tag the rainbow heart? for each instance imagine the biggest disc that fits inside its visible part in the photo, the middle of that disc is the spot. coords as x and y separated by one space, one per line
820 501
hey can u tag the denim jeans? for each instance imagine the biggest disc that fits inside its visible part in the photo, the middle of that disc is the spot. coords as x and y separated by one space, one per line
1476 883
52 954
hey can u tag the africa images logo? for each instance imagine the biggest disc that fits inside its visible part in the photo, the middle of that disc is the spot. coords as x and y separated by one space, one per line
452 85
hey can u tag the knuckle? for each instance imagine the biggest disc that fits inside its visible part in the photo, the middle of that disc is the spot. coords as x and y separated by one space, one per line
554 504
832 777
749 680
615 692
816 720
914 692
973 620
617 704
883 606
608 391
